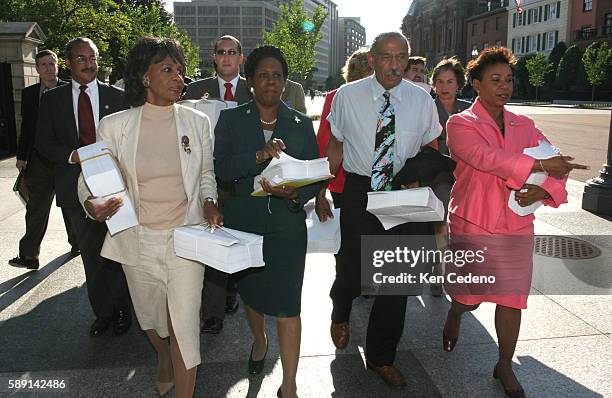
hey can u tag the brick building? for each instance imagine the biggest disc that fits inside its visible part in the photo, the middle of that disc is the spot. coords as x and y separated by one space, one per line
487 29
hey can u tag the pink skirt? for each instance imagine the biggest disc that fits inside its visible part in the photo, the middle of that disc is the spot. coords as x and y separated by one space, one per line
508 258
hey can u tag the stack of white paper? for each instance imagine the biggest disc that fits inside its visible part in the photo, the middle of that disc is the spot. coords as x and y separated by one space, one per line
292 172
104 180
407 205
211 108
543 151
225 249
323 237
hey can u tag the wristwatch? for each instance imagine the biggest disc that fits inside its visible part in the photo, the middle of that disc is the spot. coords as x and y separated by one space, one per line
211 200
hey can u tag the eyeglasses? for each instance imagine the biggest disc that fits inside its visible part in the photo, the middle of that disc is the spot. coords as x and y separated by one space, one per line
231 52
81 59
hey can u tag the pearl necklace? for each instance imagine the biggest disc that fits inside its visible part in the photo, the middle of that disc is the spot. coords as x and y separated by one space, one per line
268 123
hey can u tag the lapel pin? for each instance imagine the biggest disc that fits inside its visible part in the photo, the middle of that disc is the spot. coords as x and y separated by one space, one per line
105 106
185 143
512 123
248 112
298 120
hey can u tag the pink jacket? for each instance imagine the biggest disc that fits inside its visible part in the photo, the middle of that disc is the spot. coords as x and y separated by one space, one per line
490 166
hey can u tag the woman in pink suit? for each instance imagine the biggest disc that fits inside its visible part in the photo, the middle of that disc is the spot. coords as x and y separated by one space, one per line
487 141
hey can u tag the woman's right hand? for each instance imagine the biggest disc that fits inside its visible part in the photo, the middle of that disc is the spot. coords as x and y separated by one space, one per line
272 149
558 166
102 211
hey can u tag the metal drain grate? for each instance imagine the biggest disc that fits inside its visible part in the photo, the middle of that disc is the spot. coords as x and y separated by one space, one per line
565 248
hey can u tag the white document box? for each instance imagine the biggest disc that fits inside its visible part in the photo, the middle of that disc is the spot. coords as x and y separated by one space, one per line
407 205
103 178
292 172
225 249
323 237
211 108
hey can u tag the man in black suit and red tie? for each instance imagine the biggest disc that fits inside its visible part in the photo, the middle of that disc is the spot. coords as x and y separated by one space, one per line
68 119
38 170
219 292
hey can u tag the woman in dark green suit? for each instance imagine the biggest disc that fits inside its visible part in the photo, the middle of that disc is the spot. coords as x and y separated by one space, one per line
246 138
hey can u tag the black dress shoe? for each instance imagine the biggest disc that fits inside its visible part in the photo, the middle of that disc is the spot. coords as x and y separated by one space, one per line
256 367
99 326
122 322
212 325
231 304
24 262
75 252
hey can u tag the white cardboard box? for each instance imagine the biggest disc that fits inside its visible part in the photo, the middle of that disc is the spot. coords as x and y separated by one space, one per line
225 249
323 237
407 205
211 108
544 150
104 180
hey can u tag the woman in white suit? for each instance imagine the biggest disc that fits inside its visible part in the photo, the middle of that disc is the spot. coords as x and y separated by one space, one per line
164 152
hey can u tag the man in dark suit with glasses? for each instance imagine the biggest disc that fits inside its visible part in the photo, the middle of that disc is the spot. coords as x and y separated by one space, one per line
219 292
68 119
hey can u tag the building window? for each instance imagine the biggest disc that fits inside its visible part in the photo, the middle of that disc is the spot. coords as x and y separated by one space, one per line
497 23
485 46
474 27
533 44
484 26
608 24
498 43
587 5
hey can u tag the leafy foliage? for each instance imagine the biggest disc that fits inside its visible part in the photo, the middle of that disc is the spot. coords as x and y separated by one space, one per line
554 58
297 35
597 61
114 25
567 72
537 67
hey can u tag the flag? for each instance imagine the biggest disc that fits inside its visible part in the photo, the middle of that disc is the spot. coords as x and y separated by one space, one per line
519 7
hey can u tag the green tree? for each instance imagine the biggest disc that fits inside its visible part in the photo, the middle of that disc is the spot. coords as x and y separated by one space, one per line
554 58
567 72
114 25
297 34
522 77
537 67
597 61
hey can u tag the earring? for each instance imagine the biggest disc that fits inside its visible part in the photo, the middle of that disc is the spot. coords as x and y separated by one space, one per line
146 83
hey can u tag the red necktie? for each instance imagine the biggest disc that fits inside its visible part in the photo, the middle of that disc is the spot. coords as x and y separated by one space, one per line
228 92
87 127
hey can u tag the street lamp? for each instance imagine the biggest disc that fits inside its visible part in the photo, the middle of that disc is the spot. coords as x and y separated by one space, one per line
597 196
474 53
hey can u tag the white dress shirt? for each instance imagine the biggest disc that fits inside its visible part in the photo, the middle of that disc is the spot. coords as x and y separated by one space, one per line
222 82
354 115
92 91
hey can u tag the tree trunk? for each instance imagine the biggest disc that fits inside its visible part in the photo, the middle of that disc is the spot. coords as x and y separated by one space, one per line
593 93
536 93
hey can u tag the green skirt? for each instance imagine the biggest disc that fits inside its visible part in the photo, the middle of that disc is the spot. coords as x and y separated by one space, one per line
276 288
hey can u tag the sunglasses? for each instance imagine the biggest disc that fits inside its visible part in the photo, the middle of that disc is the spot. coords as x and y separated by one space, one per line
226 52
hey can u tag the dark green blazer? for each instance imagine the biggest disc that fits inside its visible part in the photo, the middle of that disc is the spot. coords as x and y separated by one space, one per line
238 135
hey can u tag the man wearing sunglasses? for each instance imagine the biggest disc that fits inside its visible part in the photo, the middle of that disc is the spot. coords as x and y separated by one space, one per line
227 84
219 292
